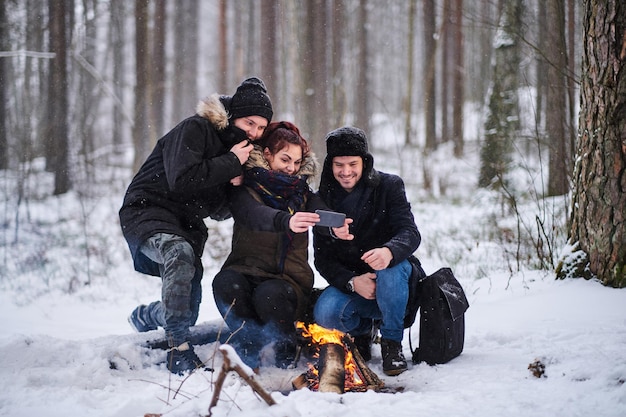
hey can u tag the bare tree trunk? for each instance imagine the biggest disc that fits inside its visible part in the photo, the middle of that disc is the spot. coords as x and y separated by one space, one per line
542 65
572 63
269 63
4 46
315 76
503 113
157 66
408 99
58 141
117 41
339 104
458 82
447 61
222 84
362 107
599 203
185 60
430 105
556 100
141 139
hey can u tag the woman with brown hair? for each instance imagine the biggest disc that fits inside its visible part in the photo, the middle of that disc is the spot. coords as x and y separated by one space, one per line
265 284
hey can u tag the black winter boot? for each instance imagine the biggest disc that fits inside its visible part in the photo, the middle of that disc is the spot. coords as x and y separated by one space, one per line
363 344
393 359
285 353
182 358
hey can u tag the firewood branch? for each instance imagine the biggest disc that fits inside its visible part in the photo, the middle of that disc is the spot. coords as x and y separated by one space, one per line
232 362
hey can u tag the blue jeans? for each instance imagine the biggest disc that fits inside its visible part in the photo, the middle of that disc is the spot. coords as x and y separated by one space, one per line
181 292
351 313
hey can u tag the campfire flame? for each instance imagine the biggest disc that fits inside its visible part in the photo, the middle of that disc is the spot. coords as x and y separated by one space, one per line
354 380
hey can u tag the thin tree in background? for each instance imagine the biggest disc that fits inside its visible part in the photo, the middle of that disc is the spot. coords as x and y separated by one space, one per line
458 79
557 131
185 85
157 68
269 62
339 104
540 62
222 76
408 99
4 46
447 61
57 155
117 40
315 76
430 48
141 139
598 221
572 64
503 113
362 94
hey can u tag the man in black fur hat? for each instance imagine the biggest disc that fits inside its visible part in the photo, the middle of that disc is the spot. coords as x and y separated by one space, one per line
182 182
369 275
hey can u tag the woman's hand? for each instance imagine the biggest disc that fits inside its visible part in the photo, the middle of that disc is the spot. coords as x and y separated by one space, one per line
302 220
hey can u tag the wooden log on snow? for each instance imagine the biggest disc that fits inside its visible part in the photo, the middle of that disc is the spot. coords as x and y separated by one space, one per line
331 365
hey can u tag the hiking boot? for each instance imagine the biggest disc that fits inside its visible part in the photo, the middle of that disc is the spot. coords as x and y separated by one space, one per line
364 342
393 359
182 358
285 353
138 321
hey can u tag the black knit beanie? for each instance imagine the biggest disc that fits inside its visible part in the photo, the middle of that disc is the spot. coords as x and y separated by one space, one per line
346 141
251 99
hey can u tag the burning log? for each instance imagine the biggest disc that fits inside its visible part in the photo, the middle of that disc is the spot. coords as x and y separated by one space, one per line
340 367
332 374
369 376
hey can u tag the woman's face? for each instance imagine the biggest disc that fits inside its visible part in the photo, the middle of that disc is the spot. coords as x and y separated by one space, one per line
287 160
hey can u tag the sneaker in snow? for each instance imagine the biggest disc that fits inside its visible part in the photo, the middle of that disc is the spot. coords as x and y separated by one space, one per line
137 320
182 358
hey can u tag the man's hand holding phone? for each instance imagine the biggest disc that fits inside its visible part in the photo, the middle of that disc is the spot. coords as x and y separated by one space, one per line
337 222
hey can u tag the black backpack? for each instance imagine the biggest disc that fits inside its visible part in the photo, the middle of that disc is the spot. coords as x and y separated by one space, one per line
442 318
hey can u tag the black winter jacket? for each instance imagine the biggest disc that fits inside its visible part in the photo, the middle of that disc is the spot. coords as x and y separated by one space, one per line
382 218
183 181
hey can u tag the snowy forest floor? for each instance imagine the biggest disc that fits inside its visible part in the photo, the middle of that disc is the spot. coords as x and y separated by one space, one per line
67 286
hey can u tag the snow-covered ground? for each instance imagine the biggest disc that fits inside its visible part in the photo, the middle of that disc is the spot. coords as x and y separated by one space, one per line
68 286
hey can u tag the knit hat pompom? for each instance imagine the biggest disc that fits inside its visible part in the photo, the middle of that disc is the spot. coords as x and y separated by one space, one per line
251 99
346 141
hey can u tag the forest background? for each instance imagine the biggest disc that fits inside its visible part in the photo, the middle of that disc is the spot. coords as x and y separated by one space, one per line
85 82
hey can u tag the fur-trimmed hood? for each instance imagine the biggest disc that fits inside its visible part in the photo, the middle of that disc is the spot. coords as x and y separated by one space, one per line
212 109
309 167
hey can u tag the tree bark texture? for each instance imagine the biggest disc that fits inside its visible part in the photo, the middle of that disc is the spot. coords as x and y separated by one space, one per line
4 45
599 203
557 131
58 147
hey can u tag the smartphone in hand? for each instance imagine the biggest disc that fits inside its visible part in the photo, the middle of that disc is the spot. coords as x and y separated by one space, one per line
330 218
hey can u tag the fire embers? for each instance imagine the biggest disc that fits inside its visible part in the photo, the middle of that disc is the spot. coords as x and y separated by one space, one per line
339 368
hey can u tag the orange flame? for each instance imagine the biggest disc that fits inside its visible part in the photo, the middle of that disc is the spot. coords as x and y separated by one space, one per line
320 335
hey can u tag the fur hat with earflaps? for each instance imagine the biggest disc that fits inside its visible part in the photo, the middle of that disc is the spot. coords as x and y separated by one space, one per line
347 141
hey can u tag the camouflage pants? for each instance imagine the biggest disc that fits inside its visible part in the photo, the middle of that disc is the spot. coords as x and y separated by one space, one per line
181 291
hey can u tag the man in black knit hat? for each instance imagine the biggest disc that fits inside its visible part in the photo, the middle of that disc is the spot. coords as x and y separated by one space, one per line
183 181
369 276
